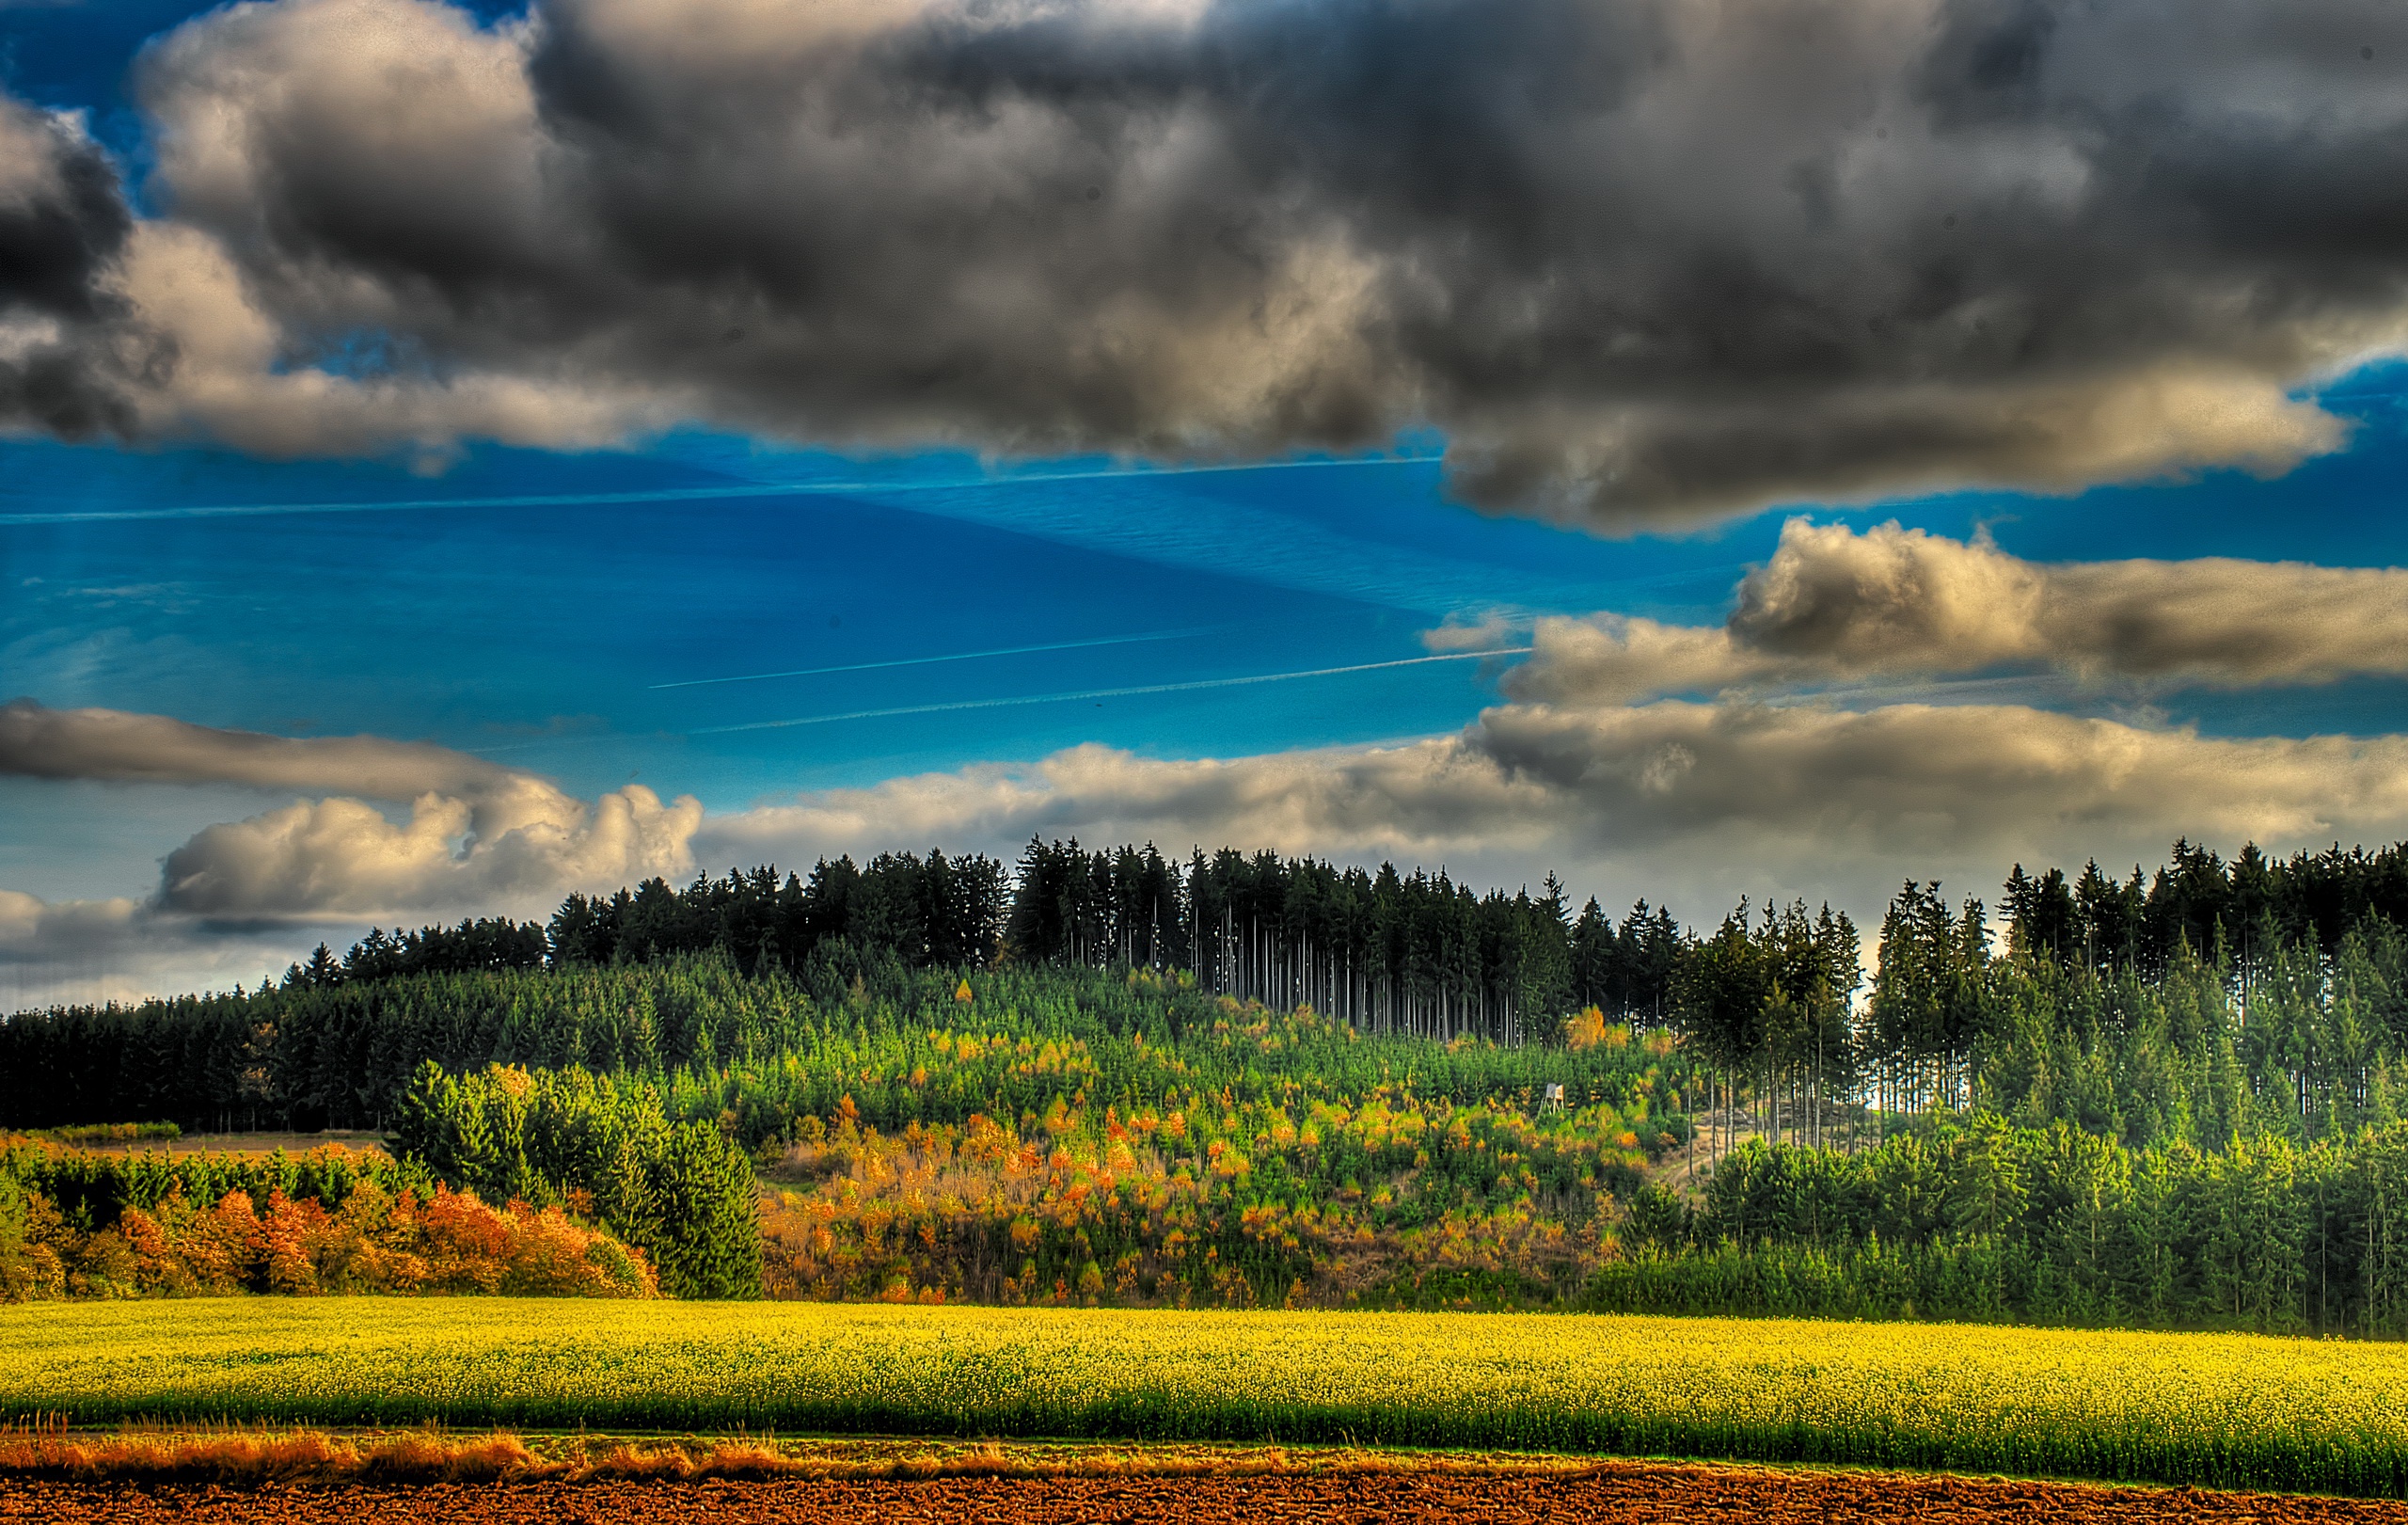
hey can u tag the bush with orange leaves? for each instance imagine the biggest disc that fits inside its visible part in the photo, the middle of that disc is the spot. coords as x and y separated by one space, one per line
372 1242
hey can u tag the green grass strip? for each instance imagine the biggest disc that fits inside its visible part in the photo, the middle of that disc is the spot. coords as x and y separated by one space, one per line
2219 1411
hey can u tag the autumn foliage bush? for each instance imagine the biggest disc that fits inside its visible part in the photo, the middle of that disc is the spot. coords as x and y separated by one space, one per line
372 1242
1395 1203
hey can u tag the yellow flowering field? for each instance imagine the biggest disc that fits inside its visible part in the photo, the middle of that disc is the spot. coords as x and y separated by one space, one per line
2224 1409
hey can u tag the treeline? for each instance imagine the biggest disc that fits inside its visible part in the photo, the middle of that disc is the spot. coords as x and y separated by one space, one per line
765 1050
2143 1008
484 943
941 911
1389 951
2153 1013
1986 1221
1279 930
2273 1033
1385 952
2201 902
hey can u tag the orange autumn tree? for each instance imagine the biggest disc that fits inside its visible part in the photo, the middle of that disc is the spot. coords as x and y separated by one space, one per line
372 1242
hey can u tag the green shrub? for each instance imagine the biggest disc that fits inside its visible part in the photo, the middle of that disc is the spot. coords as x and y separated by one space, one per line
683 1193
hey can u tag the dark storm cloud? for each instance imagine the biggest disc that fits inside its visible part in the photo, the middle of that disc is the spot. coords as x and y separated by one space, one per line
63 220
61 216
1643 260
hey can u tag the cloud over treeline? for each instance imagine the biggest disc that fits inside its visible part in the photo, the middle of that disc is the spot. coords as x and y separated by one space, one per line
1690 802
477 838
1640 260
1587 766
1698 802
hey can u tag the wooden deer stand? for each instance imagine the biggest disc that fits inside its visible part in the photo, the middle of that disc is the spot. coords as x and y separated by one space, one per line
1552 1099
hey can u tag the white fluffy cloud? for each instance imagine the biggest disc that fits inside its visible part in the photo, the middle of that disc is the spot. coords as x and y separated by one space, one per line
242 898
1834 604
343 857
477 837
1706 801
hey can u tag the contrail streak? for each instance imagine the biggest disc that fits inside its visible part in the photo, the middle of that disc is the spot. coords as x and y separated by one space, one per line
674 494
951 656
1110 693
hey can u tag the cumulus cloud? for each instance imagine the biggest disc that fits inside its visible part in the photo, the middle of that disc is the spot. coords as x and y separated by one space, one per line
478 835
1834 604
227 368
61 216
150 330
1641 260
342 857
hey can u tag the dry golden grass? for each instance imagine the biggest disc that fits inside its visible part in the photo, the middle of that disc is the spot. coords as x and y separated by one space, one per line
250 1458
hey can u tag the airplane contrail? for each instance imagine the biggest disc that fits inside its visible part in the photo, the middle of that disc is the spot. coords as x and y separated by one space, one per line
674 494
950 656
1110 693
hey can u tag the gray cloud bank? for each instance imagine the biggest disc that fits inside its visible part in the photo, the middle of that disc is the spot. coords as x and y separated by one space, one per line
1698 802
122 949
115 746
1643 261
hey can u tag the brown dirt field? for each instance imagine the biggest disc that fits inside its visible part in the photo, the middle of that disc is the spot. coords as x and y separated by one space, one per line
1621 1493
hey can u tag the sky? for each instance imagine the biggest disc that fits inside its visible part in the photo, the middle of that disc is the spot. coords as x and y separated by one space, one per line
452 457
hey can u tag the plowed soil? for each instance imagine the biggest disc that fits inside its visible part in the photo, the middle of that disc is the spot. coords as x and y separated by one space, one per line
1617 1494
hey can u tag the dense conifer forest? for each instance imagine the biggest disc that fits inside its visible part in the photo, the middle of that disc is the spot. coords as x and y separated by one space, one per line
1115 1076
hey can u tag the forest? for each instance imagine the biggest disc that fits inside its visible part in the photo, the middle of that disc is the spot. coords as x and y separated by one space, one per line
1976 1218
1113 1076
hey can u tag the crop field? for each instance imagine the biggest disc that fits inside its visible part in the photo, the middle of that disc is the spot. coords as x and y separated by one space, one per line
2215 1410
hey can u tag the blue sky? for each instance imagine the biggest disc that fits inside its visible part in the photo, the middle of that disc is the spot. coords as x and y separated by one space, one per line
569 614
708 609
